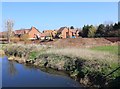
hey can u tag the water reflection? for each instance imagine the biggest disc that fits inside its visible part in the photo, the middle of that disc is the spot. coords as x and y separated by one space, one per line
11 68
47 70
19 75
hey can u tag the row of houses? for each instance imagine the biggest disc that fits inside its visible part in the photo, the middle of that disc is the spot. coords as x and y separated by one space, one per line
34 33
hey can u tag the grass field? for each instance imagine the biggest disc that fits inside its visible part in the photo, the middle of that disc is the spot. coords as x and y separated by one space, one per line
110 49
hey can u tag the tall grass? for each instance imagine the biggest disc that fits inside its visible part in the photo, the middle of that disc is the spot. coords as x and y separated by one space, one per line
86 54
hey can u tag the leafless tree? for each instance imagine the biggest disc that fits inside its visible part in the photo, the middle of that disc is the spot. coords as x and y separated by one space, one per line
9 27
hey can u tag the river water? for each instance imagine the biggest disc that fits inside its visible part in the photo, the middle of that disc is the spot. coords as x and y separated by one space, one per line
19 75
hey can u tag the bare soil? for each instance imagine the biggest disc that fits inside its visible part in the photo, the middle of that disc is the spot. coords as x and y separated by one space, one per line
80 42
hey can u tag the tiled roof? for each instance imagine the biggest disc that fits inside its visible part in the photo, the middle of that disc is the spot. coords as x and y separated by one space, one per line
61 29
4 33
42 35
22 31
48 31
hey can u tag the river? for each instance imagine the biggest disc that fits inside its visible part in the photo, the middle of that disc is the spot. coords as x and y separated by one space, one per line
19 75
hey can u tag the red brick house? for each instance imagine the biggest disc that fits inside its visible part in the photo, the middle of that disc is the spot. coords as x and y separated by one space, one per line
3 34
33 33
46 35
65 32
51 33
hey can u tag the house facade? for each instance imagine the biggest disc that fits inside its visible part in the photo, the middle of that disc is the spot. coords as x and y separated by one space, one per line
3 34
65 32
50 33
32 33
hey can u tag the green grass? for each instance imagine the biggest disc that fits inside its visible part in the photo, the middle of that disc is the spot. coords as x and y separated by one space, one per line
33 55
110 49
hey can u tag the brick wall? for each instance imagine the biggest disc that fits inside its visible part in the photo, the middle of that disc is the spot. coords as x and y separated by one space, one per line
32 32
65 31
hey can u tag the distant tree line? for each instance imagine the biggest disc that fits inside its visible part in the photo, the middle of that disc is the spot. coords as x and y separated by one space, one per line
110 30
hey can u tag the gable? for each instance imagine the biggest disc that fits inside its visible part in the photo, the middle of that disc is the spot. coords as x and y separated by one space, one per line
33 32
22 31
61 29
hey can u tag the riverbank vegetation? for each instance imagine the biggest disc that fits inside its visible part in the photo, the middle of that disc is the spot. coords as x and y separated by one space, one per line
88 66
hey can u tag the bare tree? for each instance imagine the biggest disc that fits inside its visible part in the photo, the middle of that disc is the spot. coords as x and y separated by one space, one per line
9 27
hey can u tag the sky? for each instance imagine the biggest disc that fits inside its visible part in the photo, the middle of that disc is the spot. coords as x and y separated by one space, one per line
53 15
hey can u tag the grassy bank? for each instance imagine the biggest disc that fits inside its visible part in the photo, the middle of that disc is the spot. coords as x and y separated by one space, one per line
87 66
